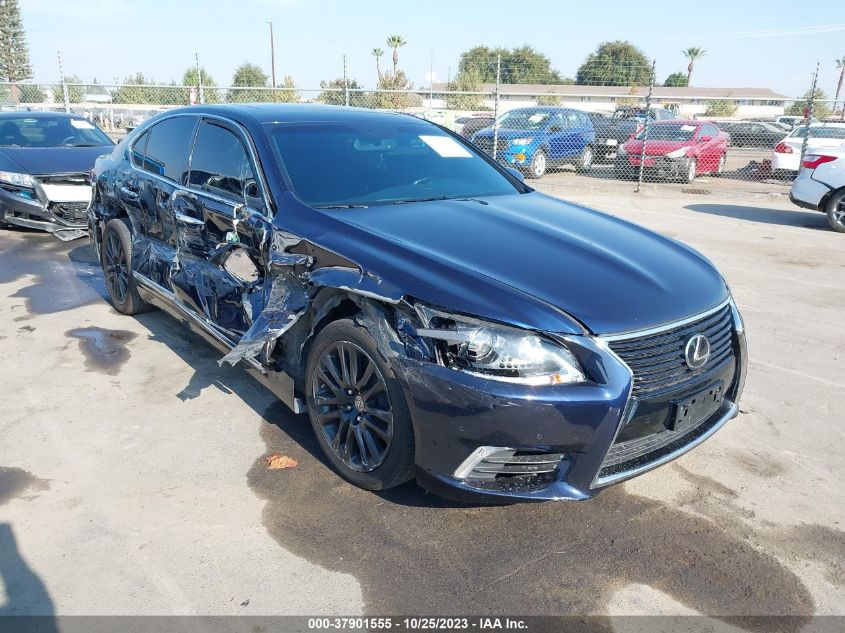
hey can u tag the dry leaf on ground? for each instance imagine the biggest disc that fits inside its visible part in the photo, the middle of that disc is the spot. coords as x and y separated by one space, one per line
280 461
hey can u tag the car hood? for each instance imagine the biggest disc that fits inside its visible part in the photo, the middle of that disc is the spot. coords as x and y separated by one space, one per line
524 259
509 133
51 160
655 148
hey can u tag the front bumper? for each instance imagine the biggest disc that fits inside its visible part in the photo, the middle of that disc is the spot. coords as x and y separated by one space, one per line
65 220
654 166
467 427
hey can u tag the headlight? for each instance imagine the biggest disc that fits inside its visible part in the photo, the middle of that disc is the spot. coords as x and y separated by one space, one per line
678 153
19 180
522 141
502 353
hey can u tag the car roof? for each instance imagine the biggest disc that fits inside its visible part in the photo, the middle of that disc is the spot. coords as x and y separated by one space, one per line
679 122
293 112
38 114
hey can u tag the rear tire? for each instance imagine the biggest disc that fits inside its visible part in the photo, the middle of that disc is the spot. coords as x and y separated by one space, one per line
835 210
585 160
116 258
357 408
720 168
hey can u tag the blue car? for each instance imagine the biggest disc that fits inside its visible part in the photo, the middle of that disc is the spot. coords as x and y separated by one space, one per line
434 316
534 139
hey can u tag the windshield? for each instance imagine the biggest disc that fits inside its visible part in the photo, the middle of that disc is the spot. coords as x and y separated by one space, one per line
57 131
524 120
820 132
678 132
363 164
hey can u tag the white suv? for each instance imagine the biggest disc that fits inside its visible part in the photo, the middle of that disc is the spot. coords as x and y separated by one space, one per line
821 184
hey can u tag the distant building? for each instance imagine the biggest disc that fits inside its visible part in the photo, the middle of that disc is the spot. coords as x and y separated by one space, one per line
751 102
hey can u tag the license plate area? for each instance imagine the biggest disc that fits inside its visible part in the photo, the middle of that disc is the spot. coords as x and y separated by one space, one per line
692 410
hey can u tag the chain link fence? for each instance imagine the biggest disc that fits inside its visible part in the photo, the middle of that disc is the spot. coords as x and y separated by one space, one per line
585 134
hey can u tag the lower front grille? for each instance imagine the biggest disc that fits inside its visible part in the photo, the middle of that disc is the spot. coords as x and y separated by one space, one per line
486 144
70 212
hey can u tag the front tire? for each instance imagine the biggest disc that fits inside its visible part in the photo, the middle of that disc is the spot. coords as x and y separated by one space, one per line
116 258
357 408
689 171
539 165
835 209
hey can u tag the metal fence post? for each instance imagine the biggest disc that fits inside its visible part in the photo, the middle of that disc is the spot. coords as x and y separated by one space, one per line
345 84
645 129
809 115
65 95
496 105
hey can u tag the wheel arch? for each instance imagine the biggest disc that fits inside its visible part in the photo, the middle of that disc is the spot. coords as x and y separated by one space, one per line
822 206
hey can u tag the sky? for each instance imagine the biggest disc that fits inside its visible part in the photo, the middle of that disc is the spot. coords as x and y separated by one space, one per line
774 44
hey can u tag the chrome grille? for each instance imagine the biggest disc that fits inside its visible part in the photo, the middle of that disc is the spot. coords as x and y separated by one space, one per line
657 360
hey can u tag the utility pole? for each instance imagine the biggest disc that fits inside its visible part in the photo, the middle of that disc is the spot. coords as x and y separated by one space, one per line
200 94
809 113
496 105
345 83
645 129
272 55
65 95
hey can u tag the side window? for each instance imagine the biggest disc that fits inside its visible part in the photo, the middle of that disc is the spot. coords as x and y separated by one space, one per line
220 165
136 154
168 146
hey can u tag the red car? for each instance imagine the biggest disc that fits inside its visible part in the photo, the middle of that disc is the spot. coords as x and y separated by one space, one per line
676 148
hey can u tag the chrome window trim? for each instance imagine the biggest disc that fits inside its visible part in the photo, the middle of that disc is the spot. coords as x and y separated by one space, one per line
631 334
259 170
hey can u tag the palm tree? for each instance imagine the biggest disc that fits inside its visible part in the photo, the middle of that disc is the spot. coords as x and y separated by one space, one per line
840 64
377 53
693 54
394 42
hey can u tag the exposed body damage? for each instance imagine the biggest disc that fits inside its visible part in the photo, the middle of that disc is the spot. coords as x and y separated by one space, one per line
488 344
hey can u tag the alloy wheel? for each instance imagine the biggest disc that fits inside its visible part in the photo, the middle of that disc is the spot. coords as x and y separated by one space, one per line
587 158
836 214
539 164
116 267
352 406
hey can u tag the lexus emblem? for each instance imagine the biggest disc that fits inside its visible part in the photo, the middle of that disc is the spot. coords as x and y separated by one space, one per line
697 351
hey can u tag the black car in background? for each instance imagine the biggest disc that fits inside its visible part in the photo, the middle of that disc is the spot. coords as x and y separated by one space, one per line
471 125
613 131
45 164
752 133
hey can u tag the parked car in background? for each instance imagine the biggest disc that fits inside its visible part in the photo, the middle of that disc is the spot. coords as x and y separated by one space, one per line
627 121
678 149
820 184
474 124
45 164
536 139
791 121
751 133
434 316
786 157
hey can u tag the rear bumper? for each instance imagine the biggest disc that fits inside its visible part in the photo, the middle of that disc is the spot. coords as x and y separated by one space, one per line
808 193
63 220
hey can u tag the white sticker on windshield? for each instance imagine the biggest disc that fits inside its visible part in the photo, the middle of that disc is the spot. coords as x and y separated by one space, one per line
687 128
81 124
445 146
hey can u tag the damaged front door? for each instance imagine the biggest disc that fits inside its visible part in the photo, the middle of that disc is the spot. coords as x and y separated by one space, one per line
222 231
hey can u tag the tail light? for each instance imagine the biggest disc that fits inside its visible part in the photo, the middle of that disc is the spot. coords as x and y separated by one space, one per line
811 161
783 148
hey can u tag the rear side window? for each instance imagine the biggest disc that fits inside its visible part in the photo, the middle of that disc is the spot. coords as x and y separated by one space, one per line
168 146
136 154
221 166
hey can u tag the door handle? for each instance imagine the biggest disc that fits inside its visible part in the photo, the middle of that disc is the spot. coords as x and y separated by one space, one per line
188 219
128 194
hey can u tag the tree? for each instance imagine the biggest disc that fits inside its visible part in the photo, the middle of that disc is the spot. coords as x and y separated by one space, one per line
468 80
820 108
14 54
31 93
840 64
518 65
676 80
138 89
288 92
394 42
721 108
395 100
209 88
248 76
616 63
377 53
693 54
336 95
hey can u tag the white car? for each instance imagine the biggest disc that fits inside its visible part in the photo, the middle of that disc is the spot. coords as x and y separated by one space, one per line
786 158
821 184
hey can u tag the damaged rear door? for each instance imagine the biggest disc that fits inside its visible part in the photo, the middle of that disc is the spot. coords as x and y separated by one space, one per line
222 230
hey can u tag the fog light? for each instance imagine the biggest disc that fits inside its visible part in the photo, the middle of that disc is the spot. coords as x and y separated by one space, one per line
520 157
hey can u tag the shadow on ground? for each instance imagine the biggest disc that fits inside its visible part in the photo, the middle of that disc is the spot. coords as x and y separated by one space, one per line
765 215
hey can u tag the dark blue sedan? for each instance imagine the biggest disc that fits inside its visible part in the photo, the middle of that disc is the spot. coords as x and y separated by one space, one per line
434 316
45 165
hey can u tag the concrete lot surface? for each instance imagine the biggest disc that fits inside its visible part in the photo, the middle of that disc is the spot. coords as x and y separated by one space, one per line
133 478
